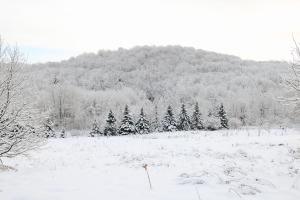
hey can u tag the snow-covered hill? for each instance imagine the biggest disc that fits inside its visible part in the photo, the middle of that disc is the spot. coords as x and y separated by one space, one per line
198 165
90 85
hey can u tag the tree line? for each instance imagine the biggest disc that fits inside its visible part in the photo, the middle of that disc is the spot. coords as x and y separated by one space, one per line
216 119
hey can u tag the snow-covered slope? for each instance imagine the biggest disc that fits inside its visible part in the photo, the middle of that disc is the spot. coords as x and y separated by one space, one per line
93 84
197 165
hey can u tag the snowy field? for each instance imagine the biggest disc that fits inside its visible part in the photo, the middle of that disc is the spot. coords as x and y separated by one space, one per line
182 166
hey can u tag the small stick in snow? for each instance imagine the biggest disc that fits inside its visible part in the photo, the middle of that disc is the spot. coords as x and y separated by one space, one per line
146 169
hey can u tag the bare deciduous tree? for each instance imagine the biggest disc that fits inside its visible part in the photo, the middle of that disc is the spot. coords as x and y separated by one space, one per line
18 130
293 82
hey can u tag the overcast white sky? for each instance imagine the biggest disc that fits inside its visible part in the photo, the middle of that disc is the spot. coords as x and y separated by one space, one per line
49 30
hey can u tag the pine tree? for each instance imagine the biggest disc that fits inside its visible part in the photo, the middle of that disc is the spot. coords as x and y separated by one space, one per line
95 130
127 125
184 123
196 121
142 125
110 128
169 123
155 125
223 117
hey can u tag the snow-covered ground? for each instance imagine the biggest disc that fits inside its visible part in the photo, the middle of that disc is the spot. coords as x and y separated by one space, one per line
182 166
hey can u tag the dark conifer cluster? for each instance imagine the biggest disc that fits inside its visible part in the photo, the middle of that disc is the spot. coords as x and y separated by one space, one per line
216 119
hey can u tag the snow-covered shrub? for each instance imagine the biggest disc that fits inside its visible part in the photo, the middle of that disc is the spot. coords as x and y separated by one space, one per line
212 123
62 134
48 131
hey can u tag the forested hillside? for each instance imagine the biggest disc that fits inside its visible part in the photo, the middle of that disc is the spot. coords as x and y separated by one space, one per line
75 92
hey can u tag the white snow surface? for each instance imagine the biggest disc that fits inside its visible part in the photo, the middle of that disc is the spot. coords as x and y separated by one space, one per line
235 164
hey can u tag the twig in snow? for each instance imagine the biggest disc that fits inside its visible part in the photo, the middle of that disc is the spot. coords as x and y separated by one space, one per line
146 169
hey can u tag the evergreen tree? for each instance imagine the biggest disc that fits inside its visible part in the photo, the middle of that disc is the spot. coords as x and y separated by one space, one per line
127 125
155 125
142 125
95 130
223 117
110 128
169 123
196 121
184 123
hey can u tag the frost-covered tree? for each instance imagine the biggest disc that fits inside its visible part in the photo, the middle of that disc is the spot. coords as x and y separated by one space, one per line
184 123
110 127
212 121
63 102
293 83
223 117
196 119
142 125
169 122
95 130
127 125
19 125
